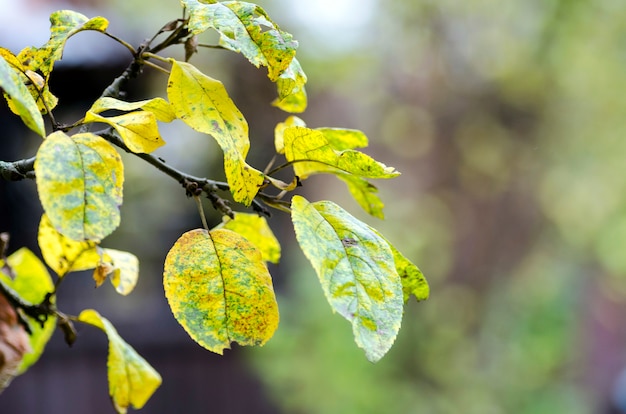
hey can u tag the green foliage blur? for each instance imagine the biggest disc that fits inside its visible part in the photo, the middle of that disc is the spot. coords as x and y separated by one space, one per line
507 120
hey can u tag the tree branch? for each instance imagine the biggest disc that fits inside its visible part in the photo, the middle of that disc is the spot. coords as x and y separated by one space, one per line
18 170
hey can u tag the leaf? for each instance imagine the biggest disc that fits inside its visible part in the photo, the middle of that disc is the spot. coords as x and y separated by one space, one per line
279 142
32 283
63 25
63 254
21 100
203 104
356 269
291 93
365 193
413 281
132 381
311 153
138 129
125 269
219 289
256 230
161 109
80 180
344 139
247 29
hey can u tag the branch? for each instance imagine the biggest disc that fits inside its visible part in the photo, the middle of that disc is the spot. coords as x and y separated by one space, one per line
18 170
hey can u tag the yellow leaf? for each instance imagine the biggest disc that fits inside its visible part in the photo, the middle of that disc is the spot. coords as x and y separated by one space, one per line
161 109
203 104
220 290
79 180
291 92
365 193
21 100
138 129
311 153
63 25
256 230
279 141
132 381
63 254
125 269
245 28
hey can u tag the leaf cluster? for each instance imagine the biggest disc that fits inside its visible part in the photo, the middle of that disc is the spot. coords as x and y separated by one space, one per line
216 280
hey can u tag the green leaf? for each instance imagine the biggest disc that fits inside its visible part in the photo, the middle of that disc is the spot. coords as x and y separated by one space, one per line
203 104
138 129
247 29
279 141
21 100
311 153
256 230
132 381
365 193
80 180
220 290
32 283
356 269
161 109
63 254
63 25
291 92
125 269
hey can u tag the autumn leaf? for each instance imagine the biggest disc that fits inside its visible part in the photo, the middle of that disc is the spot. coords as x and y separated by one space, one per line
256 230
63 25
356 269
124 269
292 95
32 283
220 290
161 109
138 130
203 103
80 180
311 153
132 381
279 130
365 194
20 98
63 254
247 29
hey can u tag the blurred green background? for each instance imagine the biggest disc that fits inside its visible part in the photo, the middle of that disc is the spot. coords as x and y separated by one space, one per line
507 120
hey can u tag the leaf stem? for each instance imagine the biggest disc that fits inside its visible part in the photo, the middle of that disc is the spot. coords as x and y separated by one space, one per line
201 212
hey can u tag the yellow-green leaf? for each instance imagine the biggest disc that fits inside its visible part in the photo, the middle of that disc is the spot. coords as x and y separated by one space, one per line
365 193
344 139
247 29
125 269
291 92
32 283
132 381
63 25
161 109
203 103
413 281
220 290
279 142
255 228
356 269
21 100
311 153
80 180
63 254
138 129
